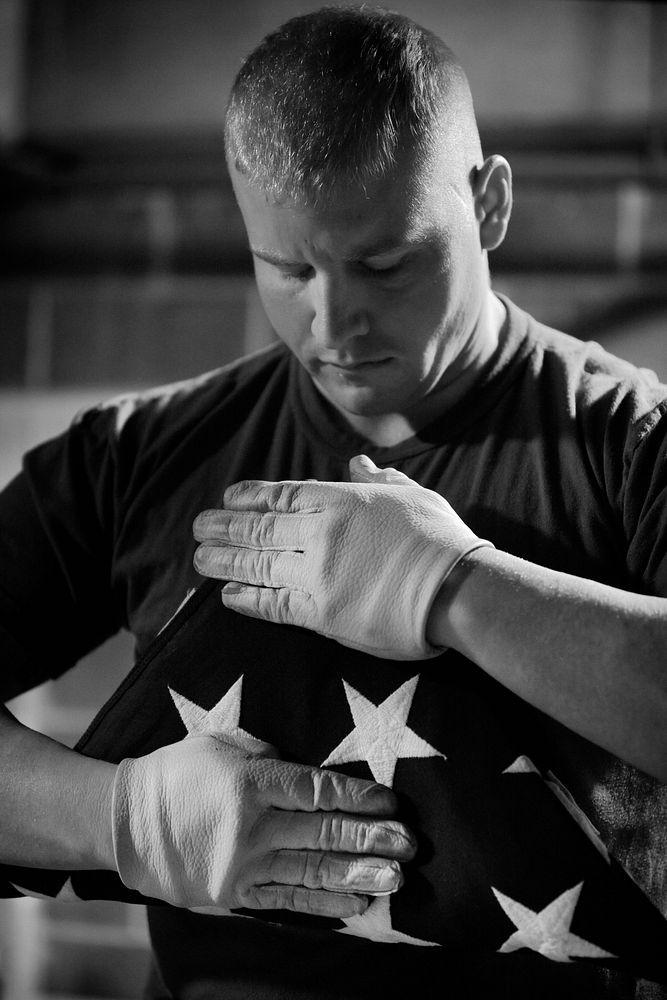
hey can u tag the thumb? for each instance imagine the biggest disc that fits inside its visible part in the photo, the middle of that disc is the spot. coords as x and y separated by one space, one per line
364 470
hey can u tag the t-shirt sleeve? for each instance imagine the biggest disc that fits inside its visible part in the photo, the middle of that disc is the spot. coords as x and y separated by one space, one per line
645 504
622 416
57 527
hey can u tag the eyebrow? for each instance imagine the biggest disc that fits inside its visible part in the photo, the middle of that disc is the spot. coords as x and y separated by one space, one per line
362 252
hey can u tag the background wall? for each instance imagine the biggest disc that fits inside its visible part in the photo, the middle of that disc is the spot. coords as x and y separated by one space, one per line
112 171
101 65
124 260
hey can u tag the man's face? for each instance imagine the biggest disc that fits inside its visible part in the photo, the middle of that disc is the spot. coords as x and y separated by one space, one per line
378 294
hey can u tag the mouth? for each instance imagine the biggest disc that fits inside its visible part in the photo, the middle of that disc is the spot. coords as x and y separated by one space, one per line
358 366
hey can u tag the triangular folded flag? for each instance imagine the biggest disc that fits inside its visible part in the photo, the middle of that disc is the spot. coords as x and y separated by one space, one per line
506 859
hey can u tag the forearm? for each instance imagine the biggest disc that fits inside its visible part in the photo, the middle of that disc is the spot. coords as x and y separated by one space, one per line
56 804
591 656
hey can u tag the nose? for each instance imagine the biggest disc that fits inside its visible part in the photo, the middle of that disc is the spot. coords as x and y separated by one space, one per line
339 312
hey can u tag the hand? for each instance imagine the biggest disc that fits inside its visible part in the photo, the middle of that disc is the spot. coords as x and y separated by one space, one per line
360 562
205 823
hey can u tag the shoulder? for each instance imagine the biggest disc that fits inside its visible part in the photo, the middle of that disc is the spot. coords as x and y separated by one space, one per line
595 386
172 410
128 437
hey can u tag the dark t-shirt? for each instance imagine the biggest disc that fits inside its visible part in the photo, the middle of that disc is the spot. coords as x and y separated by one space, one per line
558 456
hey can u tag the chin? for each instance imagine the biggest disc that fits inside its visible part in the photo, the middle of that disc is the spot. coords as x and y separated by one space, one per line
362 399
359 405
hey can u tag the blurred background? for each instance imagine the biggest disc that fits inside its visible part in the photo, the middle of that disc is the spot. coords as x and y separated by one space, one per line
124 263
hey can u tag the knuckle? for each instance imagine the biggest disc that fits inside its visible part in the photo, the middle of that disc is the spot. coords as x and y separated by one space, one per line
286 494
289 897
242 564
299 783
270 897
286 867
293 495
239 564
263 529
233 492
285 605
303 899
319 783
239 528
251 528
316 870
253 897
340 832
330 836
364 835
266 563
329 788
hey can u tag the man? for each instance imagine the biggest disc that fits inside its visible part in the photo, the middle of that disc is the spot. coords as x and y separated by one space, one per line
370 209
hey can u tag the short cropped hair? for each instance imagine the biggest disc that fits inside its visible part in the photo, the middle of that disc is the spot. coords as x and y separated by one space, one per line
331 96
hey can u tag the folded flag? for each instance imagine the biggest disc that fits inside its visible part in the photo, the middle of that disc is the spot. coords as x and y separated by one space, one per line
506 859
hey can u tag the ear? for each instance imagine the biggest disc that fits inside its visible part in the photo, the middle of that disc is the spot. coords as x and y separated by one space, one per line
492 192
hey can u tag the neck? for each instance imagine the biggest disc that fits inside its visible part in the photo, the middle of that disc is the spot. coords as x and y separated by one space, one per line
389 429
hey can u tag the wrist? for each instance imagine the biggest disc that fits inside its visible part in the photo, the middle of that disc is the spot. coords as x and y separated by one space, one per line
98 817
448 610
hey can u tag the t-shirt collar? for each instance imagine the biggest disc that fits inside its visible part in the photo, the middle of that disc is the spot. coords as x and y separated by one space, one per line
328 429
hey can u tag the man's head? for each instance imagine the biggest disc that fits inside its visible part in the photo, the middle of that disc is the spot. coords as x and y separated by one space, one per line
355 158
332 97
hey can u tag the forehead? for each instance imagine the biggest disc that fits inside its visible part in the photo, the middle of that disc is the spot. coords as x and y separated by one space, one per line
405 206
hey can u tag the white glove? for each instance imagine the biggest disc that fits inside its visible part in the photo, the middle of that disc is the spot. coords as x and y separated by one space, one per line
359 562
204 823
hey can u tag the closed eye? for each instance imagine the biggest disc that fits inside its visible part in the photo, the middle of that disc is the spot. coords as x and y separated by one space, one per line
286 269
300 274
296 274
384 268
391 267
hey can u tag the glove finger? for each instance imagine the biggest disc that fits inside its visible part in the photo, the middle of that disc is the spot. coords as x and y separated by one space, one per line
300 789
328 870
260 568
364 470
393 477
279 605
237 739
283 497
338 832
317 902
266 531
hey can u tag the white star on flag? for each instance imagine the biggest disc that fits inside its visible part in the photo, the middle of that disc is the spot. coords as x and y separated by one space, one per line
548 931
224 717
375 924
66 892
381 735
